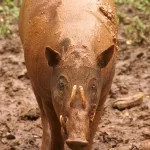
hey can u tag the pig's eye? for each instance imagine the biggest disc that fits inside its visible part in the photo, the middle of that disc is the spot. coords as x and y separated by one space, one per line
93 86
61 86
61 83
93 89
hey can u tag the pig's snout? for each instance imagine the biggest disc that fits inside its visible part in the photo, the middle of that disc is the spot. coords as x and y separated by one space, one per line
77 128
76 144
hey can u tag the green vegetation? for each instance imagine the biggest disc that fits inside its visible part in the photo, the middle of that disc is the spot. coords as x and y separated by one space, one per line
134 15
8 13
143 5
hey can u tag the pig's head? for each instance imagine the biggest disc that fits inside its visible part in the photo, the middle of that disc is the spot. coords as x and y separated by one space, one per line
76 85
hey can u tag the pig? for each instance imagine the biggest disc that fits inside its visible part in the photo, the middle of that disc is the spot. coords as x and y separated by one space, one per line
70 49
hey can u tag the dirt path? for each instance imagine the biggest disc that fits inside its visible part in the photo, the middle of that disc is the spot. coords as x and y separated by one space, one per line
20 124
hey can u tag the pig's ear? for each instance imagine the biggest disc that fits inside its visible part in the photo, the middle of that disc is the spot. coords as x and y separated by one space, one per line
104 58
53 57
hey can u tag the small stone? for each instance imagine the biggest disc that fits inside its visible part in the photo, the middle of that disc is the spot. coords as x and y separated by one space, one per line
129 42
139 55
31 114
15 148
3 140
145 145
23 74
10 137
146 133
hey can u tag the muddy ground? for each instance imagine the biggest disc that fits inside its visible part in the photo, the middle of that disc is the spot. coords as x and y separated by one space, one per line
20 123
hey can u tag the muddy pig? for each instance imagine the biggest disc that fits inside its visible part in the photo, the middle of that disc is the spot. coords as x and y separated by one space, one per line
70 49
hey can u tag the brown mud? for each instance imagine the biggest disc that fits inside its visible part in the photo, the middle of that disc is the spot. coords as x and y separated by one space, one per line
20 123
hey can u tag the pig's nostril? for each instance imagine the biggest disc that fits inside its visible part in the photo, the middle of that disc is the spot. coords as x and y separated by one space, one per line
76 143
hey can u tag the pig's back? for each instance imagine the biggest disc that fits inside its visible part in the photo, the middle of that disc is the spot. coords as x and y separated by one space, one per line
47 23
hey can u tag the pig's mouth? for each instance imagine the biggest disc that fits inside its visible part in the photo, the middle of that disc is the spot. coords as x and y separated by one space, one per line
76 144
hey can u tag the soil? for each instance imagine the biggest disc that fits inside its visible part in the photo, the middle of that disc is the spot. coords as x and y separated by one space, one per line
20 122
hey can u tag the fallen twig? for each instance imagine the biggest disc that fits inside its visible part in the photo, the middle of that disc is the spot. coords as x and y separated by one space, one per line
128 102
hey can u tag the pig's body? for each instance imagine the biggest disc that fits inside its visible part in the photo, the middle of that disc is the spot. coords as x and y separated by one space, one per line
84 27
